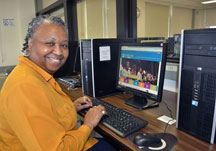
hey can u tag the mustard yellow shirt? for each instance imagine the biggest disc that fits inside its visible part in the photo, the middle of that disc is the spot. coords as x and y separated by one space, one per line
36 115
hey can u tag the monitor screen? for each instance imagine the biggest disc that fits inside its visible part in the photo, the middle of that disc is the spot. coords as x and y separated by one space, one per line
141 69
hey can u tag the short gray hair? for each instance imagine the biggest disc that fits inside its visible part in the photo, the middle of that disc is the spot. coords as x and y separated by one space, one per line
37 22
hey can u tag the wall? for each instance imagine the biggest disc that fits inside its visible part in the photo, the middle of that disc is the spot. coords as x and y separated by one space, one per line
162 20
46 3
181 19
156 23
59 13
9 39
96 19
141 18
109 21
205 18
82 20
199 19
12 37
210 17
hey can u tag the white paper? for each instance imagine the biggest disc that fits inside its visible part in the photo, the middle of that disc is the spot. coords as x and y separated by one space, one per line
105 54
167 119
8 22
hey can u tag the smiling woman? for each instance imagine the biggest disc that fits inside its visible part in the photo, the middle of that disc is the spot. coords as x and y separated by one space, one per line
47 44
35 114
48 47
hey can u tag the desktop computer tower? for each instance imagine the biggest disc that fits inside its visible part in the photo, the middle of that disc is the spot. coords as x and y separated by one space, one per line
99 65
196 109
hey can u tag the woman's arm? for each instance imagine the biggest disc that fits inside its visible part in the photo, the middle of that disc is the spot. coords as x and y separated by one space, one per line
36 123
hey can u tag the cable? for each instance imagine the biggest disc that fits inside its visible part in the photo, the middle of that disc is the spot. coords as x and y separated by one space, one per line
170 111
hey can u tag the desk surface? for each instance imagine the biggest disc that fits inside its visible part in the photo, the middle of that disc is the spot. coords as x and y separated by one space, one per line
186 142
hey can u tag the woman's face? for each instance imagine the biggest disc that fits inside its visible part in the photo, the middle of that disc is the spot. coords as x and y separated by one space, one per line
48 48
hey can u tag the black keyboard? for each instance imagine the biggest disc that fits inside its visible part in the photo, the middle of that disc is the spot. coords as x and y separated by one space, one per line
118 120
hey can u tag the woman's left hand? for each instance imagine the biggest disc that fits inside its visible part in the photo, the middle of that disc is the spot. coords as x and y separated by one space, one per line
82 103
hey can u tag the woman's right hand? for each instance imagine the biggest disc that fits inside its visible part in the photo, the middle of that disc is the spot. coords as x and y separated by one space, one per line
93 116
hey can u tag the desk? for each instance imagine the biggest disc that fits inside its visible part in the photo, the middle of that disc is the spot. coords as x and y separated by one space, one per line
186 142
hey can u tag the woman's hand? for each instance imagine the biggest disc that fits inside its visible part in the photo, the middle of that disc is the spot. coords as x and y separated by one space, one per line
93 116
82 103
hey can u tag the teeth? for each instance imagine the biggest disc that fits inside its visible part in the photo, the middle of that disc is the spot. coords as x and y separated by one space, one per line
54 60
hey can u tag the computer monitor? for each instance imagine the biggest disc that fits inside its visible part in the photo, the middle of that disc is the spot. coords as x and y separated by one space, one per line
77 63
141 69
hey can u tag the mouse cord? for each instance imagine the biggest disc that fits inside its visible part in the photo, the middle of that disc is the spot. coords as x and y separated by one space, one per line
171 115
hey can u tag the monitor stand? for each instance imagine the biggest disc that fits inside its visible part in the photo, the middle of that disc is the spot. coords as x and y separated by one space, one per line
141 102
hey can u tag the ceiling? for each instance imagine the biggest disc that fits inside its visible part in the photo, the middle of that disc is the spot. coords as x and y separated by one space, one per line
195 4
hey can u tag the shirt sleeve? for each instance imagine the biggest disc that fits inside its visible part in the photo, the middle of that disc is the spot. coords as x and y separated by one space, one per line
30 115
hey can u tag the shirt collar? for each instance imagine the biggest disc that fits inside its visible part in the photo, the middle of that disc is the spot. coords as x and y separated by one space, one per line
35 67
48 77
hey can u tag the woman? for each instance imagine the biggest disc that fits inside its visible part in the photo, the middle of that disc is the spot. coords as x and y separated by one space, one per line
35 114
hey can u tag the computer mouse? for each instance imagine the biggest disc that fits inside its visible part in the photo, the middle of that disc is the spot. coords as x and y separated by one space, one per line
142 139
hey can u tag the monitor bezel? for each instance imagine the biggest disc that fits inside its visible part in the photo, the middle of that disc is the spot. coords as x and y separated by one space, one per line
150 96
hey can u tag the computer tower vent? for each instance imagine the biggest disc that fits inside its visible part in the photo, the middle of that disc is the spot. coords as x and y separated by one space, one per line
209 89
207 104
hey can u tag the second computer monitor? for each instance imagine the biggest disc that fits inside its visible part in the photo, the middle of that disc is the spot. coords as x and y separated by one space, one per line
141 69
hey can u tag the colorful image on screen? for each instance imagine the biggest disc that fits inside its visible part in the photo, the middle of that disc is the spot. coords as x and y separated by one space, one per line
139 68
